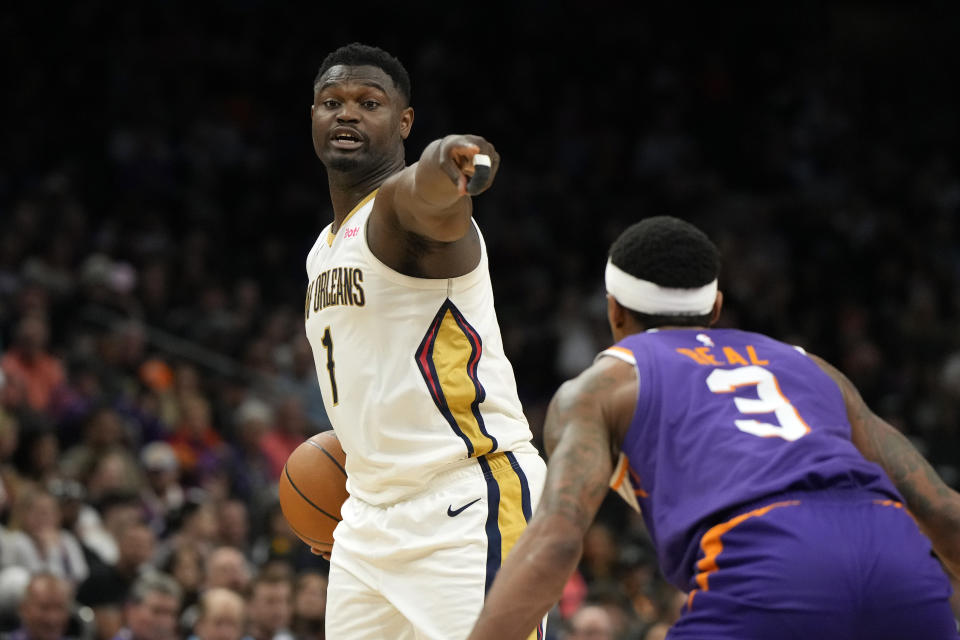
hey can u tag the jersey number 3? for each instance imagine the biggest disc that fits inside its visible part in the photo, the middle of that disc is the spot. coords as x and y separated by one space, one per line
770 400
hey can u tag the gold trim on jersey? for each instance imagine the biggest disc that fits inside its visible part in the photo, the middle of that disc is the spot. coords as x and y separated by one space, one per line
331 236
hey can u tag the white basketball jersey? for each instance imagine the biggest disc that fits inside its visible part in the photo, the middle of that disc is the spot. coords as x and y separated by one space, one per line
412 370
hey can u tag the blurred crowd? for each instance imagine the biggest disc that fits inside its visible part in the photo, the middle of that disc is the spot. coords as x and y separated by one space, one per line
158 195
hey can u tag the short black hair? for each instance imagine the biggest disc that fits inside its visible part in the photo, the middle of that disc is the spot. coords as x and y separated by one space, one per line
356 54
669 252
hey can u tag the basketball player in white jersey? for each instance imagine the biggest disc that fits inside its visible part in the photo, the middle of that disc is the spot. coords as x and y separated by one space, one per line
399 311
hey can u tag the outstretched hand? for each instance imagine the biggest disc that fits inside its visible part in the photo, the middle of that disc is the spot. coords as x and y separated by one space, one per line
470 161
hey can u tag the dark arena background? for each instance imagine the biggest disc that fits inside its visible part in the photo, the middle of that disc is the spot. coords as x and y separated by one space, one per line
159 193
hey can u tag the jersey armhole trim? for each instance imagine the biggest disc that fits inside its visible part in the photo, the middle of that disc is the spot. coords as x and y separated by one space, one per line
620 353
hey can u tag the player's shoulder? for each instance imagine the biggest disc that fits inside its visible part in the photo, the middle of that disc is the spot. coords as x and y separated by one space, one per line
605 376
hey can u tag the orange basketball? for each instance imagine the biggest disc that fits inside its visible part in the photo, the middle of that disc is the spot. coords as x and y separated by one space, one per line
313 487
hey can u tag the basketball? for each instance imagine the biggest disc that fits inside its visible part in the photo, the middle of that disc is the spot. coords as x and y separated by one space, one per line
313 487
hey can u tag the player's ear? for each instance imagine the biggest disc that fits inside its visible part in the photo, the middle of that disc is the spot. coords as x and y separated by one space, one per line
717 308
615 314
406 122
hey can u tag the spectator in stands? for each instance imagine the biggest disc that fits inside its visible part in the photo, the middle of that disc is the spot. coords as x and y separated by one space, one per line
193 525
233 519
38 454
309 605
200 449
37 542
113 472
103 433
278 542
591 622
221 616
224 568
227 567
98 526
162 493
251 468
9 441
151 609
44 610
185 564
301 380
270 606
32 372
108 587
290 429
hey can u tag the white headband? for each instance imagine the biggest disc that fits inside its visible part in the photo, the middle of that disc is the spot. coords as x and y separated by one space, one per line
647 297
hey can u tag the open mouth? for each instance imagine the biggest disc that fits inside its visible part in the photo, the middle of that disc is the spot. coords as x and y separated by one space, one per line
343 138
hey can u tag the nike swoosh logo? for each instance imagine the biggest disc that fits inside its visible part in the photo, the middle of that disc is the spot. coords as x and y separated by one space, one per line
455 512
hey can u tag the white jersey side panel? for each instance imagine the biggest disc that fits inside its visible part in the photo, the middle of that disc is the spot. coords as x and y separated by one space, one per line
412 370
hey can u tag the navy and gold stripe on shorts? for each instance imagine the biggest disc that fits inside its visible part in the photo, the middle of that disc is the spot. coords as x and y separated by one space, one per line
508 511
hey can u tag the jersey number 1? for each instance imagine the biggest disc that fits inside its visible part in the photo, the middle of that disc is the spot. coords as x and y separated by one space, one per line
770 400
327 343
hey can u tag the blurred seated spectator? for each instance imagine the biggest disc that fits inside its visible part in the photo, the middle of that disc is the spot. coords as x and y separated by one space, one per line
301 380
161 494
270 605
45 610
107 588
224 568
290 429
591 622
233 520
193 525
251 469
114 471
309 605
98 525
185 564
200 449
102 432
37 458
32 373
227 567
151 609
278 542
36 540
9 441
221 616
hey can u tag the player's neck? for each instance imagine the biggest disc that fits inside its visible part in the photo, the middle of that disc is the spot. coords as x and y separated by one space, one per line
348 188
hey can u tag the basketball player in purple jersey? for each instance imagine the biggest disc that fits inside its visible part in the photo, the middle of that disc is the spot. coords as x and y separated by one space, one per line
772 494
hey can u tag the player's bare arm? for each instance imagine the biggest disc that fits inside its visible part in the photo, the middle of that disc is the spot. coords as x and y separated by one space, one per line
582 437
935 506
431 199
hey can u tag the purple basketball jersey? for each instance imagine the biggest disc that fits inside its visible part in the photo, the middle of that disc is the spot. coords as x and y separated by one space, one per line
725 418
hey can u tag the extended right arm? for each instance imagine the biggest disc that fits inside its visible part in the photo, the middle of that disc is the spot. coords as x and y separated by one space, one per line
430 197
934 505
